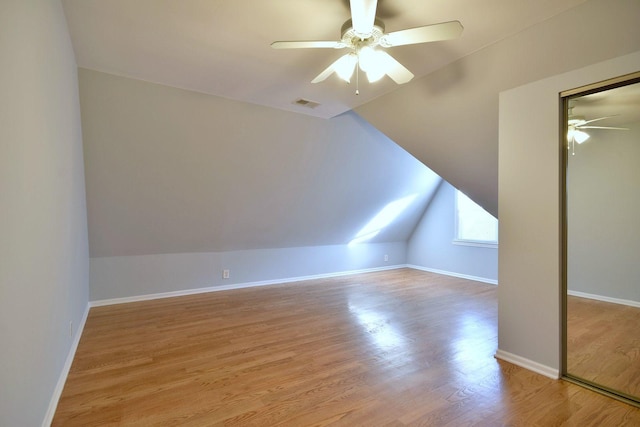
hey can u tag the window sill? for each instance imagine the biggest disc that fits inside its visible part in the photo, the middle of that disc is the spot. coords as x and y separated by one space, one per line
475 243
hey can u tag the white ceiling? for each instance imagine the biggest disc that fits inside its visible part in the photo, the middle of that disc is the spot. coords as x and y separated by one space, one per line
222 47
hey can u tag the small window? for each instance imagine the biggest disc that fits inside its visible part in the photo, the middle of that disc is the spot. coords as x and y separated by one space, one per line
474 225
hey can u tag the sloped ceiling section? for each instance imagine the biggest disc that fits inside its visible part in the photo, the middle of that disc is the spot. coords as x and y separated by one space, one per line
172 171
449 119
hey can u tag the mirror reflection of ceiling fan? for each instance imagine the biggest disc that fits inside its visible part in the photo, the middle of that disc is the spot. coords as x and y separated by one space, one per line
577 126
364 37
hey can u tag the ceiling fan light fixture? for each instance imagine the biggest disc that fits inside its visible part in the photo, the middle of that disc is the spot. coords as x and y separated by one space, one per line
576 135
367 58
345 66
375 75
373 63
580 136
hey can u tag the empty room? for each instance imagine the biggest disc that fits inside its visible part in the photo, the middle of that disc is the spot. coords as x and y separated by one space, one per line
357 213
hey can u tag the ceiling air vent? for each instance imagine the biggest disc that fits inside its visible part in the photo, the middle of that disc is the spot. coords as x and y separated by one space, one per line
306 103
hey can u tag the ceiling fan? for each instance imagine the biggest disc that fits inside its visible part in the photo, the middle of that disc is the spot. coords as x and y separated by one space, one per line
577 125
364 37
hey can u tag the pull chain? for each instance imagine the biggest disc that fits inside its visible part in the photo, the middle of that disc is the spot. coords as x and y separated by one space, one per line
573 146
358 78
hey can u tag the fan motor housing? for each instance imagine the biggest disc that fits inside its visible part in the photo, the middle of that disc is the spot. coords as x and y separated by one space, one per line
351 39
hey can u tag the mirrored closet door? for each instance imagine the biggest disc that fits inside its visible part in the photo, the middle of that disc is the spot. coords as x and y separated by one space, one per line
601 139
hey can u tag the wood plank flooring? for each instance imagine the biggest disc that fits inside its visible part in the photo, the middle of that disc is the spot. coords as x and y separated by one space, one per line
604 343
394 348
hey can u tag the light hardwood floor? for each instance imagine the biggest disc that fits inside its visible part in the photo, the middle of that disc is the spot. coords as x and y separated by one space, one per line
604 343
393 348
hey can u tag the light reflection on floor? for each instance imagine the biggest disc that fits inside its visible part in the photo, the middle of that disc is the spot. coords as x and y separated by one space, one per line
471 345
393 350
378 328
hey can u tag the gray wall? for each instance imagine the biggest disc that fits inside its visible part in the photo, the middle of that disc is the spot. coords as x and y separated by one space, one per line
430 246
181 185
174 171
449 119
529 258
146 275
603 185
43 250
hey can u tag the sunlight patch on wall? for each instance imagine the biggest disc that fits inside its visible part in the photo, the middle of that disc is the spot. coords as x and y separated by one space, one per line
385 217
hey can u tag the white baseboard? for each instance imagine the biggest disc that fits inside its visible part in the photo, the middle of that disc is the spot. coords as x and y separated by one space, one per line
528 364
62 379
450 273
604 299
112 301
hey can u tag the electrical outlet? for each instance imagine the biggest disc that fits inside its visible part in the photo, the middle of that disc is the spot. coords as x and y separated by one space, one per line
225 274
386 257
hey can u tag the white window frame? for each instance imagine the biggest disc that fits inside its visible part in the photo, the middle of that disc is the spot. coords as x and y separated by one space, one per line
457 240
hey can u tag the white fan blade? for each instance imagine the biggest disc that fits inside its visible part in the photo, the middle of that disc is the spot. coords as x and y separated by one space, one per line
601 127
326 73
345 61
305 44
394 69
428 33
597 120
363 15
